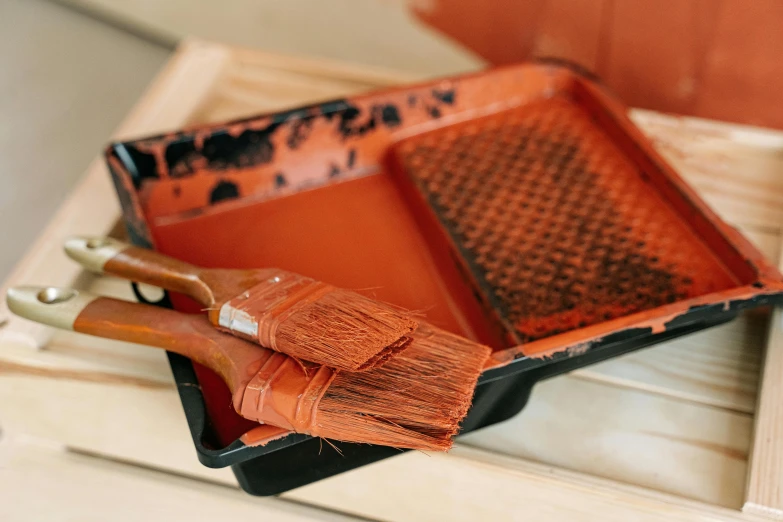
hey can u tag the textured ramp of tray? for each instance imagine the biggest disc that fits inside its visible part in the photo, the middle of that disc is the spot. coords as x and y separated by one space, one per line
129 408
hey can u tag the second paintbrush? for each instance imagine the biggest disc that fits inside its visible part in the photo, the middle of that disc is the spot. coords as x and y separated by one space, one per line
286 312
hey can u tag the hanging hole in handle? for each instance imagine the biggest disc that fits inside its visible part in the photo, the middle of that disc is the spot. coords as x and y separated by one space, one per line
52 295
140 289
97 242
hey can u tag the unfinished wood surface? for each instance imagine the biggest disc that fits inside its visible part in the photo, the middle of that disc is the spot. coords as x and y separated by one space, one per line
692 440
137 420
631 436
717 367
765 476
734 168
42 482
470 484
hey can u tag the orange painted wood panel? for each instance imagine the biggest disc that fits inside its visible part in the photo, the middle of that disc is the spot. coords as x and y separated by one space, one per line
655 50
743 72
571 29
500 30
709 58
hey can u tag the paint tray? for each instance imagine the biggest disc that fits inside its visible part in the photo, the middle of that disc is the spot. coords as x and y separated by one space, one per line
518 207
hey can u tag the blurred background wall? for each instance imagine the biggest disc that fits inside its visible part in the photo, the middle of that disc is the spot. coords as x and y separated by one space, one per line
712 58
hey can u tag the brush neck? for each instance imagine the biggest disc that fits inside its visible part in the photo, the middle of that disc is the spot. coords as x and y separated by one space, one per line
286 393
145 266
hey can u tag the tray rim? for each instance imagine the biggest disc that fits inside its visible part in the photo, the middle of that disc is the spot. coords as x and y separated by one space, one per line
765 290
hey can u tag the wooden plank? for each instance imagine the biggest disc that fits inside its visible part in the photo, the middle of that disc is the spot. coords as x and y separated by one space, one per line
322 69
630 436
47 483
124 419
718 367
765 470
150 430
470 484
88 378
734 168
150 427
256 82
247 88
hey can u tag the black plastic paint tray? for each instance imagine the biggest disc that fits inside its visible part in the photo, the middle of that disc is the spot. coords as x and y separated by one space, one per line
518 207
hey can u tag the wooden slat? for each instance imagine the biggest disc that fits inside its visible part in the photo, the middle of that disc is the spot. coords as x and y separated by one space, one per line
128 407
469 485
45 483
630 436
119 418
734 168
248 89
718 367
765 475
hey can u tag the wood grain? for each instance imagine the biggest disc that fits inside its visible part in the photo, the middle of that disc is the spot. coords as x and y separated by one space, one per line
675 433
765 480
718 367
732 167
630 436
133 423
87 488
469 484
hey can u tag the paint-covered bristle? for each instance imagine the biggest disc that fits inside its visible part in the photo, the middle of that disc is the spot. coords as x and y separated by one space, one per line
416 400
346 331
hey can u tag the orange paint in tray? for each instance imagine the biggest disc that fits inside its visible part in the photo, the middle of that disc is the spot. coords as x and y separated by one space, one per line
518 207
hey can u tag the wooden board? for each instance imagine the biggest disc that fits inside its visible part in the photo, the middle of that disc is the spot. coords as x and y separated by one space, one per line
629 435
765 478
470 484
51 484
689 437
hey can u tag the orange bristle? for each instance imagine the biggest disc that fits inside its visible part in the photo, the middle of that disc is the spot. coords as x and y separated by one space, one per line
347 331
416 400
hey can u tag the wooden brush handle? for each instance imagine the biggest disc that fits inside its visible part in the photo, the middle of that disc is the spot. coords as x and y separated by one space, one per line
235 360
109 256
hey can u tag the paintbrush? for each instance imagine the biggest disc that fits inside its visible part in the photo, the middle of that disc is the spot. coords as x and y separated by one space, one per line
286 312
414 401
